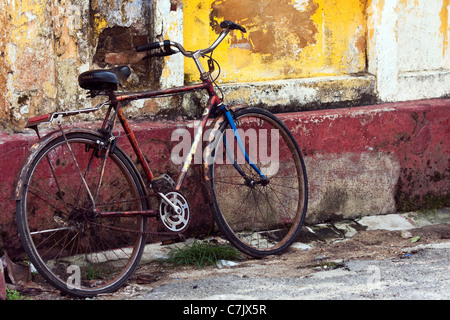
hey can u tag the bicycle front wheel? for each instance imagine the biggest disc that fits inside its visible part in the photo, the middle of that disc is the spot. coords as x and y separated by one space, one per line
260 213
72 248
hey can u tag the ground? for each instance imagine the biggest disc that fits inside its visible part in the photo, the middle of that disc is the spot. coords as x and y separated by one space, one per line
322 256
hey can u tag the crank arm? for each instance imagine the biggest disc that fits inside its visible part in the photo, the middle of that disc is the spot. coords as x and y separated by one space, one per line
176 208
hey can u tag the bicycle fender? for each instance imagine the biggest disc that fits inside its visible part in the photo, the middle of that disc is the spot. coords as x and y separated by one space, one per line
32 153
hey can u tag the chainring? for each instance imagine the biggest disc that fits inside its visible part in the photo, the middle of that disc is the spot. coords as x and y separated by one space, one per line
173 221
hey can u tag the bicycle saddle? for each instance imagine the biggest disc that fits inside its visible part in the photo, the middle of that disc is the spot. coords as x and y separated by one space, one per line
105 79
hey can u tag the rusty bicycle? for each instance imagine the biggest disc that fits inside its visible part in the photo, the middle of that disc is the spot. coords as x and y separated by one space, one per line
83 207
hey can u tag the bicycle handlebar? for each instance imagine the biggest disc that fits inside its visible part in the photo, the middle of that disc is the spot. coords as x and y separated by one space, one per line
148 46
166 46
227 24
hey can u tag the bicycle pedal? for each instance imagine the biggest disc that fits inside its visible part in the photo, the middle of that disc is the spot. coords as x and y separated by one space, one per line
163 183
176 239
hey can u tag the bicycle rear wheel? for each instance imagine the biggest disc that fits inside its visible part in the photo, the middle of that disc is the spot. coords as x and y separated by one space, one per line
258 216
73 249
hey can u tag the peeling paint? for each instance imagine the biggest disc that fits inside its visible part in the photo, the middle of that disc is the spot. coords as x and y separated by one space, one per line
278 30
285 40
444 29
99 24
403 44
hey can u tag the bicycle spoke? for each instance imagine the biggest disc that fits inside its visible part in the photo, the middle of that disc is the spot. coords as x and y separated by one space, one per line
60 225
281 203
78 168
266 214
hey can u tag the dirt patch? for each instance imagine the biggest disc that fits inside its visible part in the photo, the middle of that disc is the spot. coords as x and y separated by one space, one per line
366 245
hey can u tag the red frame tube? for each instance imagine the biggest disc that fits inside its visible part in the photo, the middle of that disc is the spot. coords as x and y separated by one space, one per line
119 100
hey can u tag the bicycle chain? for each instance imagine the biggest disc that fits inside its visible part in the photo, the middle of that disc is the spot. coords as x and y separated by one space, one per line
154 233
151 233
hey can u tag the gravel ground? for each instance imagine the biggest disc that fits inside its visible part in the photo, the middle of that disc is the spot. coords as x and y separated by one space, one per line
421 273
333 262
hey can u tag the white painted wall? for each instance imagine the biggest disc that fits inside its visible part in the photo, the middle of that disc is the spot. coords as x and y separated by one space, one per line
420 38
168 25
408 48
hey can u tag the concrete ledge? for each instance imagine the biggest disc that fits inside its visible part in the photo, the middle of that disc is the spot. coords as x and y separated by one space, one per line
293 95
361 161
376 159
387 222
305 94
423 84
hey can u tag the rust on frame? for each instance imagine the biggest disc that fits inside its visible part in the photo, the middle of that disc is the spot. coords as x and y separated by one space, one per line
134 144
121 214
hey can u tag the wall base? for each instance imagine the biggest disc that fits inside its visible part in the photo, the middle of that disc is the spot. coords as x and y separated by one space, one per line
360 161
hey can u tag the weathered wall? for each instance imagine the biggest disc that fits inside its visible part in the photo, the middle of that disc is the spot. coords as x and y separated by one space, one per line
342 53
4 68
360 161
408 48
297 54
45 44
117 27
43 48
285 39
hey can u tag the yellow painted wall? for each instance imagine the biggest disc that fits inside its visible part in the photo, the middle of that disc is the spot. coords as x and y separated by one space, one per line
28 78
286 38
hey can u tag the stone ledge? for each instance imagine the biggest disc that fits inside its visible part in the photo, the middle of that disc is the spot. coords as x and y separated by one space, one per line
293 95
305 94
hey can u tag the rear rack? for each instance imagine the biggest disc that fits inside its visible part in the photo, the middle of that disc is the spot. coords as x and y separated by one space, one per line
57 116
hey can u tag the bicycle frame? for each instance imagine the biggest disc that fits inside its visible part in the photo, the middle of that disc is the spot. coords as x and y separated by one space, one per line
213 103
118 100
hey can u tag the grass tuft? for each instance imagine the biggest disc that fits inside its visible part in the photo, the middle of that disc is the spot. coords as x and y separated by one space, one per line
202 253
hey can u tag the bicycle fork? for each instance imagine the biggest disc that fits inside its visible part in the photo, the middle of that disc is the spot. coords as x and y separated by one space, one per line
238 139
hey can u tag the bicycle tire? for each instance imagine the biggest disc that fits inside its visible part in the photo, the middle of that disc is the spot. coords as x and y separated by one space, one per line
75 252
259 220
